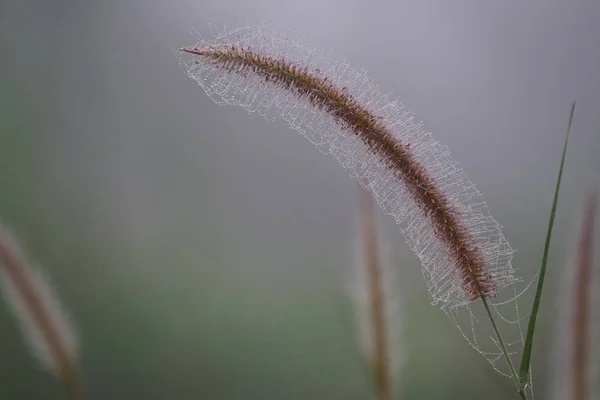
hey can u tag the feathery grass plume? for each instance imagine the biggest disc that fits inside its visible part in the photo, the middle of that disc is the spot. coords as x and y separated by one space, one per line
574 364
377 306
413 178
44 322
442 215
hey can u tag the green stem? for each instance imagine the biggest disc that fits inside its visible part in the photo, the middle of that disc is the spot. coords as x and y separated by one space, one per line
511 366
528 347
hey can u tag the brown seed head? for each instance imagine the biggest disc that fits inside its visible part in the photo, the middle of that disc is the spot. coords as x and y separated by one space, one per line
351 115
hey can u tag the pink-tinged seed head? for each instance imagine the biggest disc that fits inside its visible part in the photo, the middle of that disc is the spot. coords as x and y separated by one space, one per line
412 177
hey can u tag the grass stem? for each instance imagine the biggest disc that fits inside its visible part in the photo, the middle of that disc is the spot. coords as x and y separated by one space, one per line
511 366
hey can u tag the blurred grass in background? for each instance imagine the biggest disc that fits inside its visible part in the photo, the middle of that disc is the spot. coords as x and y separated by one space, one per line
198 248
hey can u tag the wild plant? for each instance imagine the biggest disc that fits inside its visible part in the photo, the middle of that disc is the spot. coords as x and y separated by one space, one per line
465 257
466 260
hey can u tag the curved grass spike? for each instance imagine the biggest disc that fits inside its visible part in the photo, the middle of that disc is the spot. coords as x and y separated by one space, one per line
446 222
353 116
526 358
440 212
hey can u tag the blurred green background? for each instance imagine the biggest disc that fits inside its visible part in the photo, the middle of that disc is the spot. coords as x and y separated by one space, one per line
206 253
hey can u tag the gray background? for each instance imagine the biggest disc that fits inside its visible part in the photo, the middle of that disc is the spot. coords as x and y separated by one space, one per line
205 252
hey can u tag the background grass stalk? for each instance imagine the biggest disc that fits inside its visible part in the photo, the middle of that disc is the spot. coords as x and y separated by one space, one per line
580 314
380 354
51 337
